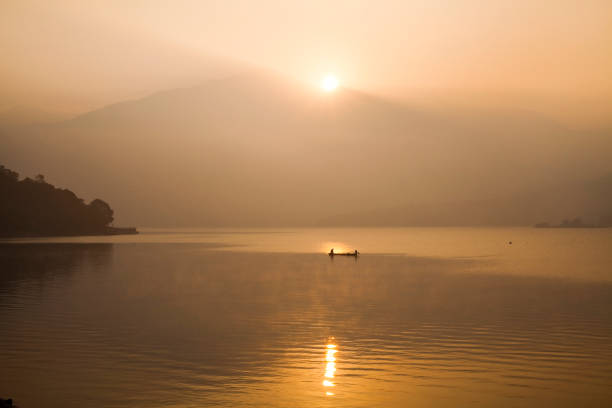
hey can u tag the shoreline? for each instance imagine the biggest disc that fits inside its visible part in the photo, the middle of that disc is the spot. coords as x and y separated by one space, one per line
108 231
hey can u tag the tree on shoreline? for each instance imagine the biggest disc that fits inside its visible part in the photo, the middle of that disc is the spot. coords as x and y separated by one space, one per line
31 207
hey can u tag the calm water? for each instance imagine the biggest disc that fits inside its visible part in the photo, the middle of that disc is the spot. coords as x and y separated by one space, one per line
426 317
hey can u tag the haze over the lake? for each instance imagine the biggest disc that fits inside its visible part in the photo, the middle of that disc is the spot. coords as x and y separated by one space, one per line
446 113
282 203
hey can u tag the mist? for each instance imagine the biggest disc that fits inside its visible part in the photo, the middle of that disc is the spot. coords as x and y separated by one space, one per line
211 114
305 203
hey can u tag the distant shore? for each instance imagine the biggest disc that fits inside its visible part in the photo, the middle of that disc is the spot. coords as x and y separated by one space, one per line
105 231
121 231
570 224
564 226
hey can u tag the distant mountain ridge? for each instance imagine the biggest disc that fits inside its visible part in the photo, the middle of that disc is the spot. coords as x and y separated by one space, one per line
261 150
589 200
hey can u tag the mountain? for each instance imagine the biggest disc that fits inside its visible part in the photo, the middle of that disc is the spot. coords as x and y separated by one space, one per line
18 116
589 200
259 149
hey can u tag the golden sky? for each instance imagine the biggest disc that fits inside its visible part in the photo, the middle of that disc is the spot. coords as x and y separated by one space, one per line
85 54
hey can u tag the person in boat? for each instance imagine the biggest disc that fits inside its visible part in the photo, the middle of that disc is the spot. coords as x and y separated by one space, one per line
331 252
356 252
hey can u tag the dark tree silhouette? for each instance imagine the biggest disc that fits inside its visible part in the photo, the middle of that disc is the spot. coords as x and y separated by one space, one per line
34 207
101 211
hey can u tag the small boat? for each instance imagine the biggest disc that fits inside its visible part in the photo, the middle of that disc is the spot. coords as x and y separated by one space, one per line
332 253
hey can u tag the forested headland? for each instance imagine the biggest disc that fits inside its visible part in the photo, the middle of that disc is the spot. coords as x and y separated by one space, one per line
33 207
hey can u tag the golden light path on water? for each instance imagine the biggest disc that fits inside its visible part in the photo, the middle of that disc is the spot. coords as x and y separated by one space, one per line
330 365
427 317
339 247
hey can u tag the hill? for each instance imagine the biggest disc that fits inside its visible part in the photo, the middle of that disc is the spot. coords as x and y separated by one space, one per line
33 207
259 149
590 201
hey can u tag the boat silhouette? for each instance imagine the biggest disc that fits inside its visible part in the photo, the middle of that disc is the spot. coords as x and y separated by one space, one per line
332 253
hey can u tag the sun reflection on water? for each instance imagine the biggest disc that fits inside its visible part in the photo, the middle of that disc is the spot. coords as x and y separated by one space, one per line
330 365
339 247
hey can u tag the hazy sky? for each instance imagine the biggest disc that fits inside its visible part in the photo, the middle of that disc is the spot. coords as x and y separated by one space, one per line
78 55
254 138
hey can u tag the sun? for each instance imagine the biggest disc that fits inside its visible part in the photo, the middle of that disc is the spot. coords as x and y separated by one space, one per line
329 83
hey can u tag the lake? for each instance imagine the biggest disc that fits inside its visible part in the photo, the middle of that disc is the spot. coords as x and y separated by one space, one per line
432 317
